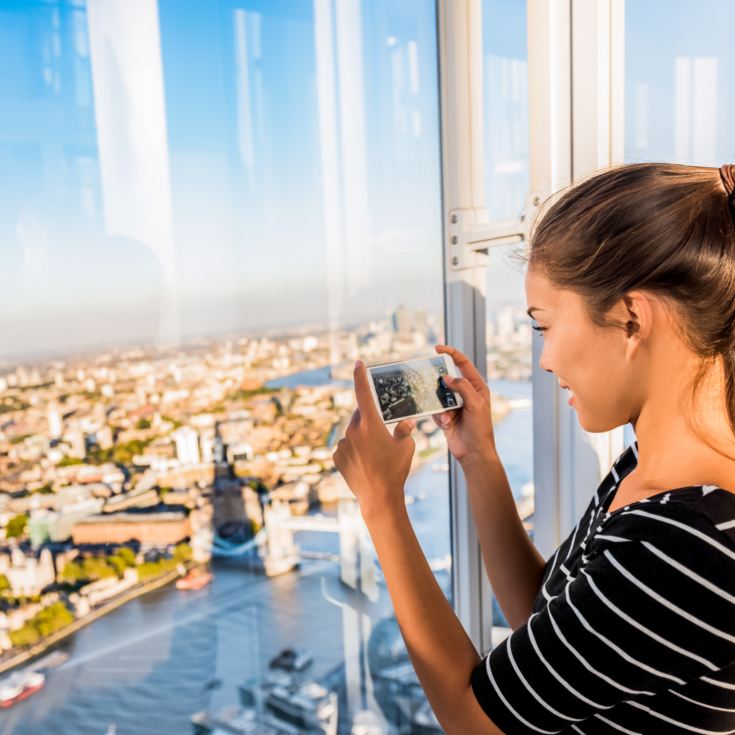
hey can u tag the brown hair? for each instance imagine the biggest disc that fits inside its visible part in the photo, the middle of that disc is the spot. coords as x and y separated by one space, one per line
665 228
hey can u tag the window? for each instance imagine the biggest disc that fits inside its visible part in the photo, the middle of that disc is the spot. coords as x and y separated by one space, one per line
211 210
679 90
678 85
505 77
508 329
509 378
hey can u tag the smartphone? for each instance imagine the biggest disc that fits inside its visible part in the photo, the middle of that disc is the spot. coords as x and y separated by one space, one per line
413 388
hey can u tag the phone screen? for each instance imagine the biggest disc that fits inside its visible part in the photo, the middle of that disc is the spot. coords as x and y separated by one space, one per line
407 388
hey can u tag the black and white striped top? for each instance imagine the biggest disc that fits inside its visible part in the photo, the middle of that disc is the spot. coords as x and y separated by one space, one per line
633 629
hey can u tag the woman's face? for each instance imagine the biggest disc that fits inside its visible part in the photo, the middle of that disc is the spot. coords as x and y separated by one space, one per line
595 363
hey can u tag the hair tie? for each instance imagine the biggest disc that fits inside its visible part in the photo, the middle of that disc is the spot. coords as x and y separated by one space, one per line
727 174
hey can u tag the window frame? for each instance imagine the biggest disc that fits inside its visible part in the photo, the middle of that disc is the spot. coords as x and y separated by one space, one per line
576 94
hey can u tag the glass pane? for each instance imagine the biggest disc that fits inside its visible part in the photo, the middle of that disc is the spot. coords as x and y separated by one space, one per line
208 211
505 90
509 368
679 85
679 82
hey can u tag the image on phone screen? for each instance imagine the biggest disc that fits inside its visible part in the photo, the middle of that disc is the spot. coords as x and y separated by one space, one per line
413 387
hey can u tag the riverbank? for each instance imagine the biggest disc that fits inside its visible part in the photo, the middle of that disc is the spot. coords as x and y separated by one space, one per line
140 589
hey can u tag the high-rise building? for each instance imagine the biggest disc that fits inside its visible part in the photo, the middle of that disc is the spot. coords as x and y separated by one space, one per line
77 444
402 320
187 445
55 424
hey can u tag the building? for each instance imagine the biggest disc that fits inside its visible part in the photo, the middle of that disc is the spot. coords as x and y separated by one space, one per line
187 445
47 525
150 529
27 575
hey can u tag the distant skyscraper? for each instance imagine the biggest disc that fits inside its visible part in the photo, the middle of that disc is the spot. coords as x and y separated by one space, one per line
104 437
187 445
505 322
77 444
402 320
207 443
55 424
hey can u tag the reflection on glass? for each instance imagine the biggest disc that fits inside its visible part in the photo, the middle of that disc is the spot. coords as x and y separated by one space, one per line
508 333
509 367
505 90
679 86
208 211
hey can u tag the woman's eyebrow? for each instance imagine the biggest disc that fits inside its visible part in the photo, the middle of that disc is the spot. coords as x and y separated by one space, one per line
531 309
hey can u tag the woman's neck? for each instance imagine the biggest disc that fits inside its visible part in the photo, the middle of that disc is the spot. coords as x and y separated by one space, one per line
684 441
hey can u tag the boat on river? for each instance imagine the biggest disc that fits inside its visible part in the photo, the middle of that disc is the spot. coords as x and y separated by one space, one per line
19 685
194 579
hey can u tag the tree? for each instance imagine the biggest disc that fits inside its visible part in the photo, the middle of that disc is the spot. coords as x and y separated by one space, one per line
17 526
118 564
182 553
124 453
25 636
91 569
52 618
73 572
44 623
127 555
97 568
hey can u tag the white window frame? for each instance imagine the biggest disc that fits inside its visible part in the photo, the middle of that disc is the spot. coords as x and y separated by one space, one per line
575 69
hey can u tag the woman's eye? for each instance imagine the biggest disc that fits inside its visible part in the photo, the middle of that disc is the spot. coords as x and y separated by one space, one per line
539 329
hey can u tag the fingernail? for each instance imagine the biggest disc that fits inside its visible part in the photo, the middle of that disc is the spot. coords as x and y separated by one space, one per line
358 364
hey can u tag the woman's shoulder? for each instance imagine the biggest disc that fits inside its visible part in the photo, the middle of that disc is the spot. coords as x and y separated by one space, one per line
702 516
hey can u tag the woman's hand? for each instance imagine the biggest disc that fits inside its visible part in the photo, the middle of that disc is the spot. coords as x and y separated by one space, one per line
469 430
374 462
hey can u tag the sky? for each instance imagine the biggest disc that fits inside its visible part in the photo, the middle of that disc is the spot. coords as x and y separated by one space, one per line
189 167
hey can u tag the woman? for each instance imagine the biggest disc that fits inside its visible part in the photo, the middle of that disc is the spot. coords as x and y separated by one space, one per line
630 625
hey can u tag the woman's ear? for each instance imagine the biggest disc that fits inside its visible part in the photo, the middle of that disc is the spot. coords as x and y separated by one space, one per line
639 314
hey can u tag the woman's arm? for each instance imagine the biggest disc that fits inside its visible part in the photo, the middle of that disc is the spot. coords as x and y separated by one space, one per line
442 654
375 464
514 565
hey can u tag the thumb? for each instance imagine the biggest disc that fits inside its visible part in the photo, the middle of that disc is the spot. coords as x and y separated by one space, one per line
404 428
464 388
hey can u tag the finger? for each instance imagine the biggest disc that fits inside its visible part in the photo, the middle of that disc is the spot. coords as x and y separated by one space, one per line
465 366
444 420
354 421
463 386
404 428
365 403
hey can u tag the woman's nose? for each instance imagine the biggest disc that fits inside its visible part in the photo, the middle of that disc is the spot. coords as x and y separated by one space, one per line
543 364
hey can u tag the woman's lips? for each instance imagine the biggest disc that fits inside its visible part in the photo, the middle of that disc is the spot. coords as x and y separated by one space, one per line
566 387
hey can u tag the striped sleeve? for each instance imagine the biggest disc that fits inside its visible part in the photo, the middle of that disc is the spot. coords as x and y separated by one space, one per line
652 606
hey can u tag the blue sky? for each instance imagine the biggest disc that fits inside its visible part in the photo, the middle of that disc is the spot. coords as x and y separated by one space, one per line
280 204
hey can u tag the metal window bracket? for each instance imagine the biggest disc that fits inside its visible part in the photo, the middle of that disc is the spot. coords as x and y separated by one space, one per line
471 234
